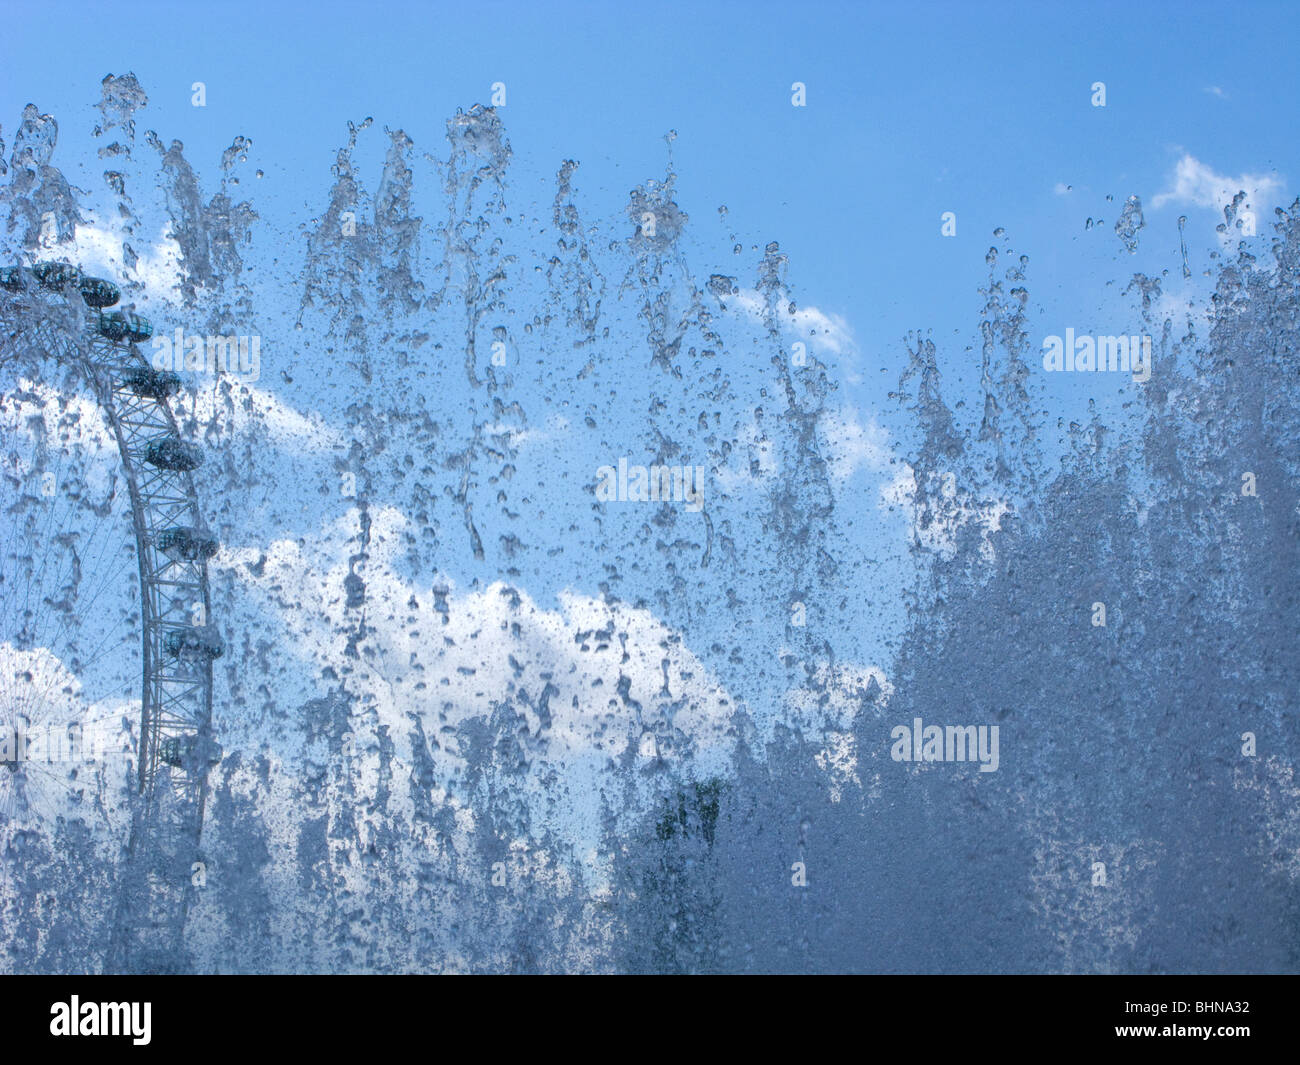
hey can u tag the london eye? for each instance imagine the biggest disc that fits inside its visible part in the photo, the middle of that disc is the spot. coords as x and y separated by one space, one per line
52 314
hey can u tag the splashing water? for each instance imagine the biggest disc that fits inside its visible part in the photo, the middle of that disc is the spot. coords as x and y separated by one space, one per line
487 706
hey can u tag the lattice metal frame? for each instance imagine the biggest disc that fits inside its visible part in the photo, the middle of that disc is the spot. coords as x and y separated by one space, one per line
176 743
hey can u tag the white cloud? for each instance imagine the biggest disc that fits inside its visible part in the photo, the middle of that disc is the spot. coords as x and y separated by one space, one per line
158 263
591 683
836 695
850 446
829 709
753 460
274 421
947 510
824 333
1195 184
1175 307
42 700
519 437
36 418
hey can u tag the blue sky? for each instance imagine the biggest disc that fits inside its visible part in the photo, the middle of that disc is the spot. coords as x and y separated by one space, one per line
423 557
913 109
980 109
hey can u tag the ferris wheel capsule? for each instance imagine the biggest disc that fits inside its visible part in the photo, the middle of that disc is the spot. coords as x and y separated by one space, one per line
184 543
188 752
123 325
194 642
157 384
56 275
99 293
172 453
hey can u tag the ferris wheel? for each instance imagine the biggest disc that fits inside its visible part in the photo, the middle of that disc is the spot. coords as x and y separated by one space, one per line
58 634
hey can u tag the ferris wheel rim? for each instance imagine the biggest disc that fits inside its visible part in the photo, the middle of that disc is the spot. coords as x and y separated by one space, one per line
176 663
